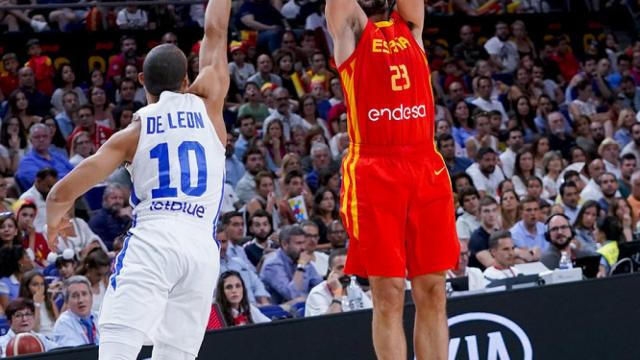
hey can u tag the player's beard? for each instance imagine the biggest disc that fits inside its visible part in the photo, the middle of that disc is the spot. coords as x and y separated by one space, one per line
373 7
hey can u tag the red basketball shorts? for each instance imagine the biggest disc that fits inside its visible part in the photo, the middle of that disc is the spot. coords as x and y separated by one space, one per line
397 206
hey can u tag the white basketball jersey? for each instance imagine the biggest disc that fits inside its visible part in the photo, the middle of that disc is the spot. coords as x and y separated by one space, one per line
178 169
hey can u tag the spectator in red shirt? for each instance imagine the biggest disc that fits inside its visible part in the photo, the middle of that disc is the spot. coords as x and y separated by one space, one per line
32 240
9 77
42 67
565 59
117 63
87 122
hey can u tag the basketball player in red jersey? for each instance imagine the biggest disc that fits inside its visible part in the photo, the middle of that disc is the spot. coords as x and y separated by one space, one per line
396 198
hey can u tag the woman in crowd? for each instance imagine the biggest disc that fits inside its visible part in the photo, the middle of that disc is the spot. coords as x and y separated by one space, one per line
621 209
102 109
96 266
503 186
33 241
626 119
14 263
463 125
259 144
524 45
586 226
97 80
309 113
275 143
9 234
81 148
57 140
582 133
66 79
13 145
284 68
34 287
231 296
265 196
75 234
521 87
552 163
509 209
540 147
18 107
325 210
522 171
331 180
524 118
298 136
335 89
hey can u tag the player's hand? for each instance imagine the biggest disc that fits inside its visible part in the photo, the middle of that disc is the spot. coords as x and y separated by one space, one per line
304 258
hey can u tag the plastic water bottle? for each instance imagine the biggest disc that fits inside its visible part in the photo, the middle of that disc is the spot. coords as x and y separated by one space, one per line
565 261
354 295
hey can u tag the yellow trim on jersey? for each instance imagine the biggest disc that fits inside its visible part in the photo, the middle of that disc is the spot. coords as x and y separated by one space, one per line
384 23
354 153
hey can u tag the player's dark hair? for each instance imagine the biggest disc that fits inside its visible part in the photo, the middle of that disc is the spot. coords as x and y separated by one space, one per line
164 69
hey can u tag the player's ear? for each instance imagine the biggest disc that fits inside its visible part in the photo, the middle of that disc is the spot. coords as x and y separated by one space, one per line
185 82
141 78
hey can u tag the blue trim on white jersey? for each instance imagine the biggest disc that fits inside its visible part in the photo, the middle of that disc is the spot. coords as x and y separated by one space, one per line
134 198
215 219
120 260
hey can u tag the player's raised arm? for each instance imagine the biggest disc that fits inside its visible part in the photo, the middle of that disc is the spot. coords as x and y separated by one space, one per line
212 82
119 148
412 11
345 20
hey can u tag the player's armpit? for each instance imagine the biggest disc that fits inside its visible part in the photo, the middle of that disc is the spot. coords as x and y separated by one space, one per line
412 11
344 15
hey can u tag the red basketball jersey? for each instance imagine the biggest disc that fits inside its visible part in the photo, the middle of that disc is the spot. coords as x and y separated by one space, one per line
387 87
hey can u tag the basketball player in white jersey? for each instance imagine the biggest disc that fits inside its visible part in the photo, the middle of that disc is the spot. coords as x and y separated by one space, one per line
164 278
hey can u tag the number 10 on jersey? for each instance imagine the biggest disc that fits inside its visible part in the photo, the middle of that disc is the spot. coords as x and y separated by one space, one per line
165 190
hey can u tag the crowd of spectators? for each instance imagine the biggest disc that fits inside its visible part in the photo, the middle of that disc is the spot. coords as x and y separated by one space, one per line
527 126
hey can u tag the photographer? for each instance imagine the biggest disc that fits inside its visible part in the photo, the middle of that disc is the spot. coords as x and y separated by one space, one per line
327 297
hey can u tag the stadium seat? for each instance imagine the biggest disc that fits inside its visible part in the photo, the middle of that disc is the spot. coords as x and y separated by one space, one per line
4 325
274 312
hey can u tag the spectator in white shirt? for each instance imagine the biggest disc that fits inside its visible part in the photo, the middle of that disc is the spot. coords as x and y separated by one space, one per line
476 279
508 157
132 18
21 316
484 100
327 297
468 221
284 114
45 179
503 252
77 325
485 174
503 52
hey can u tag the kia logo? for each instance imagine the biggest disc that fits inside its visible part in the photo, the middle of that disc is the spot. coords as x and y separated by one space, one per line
486 336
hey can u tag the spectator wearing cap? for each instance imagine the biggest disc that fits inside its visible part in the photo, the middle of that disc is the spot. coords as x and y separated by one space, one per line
239 70
40 157
9 78
484 100
265 72
559 140
485 174
289 275
77 325
42 66
114 217
501 247
21 316
609 150
284 114
45 179
503 52
455 164
39 103
468 221
528 233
